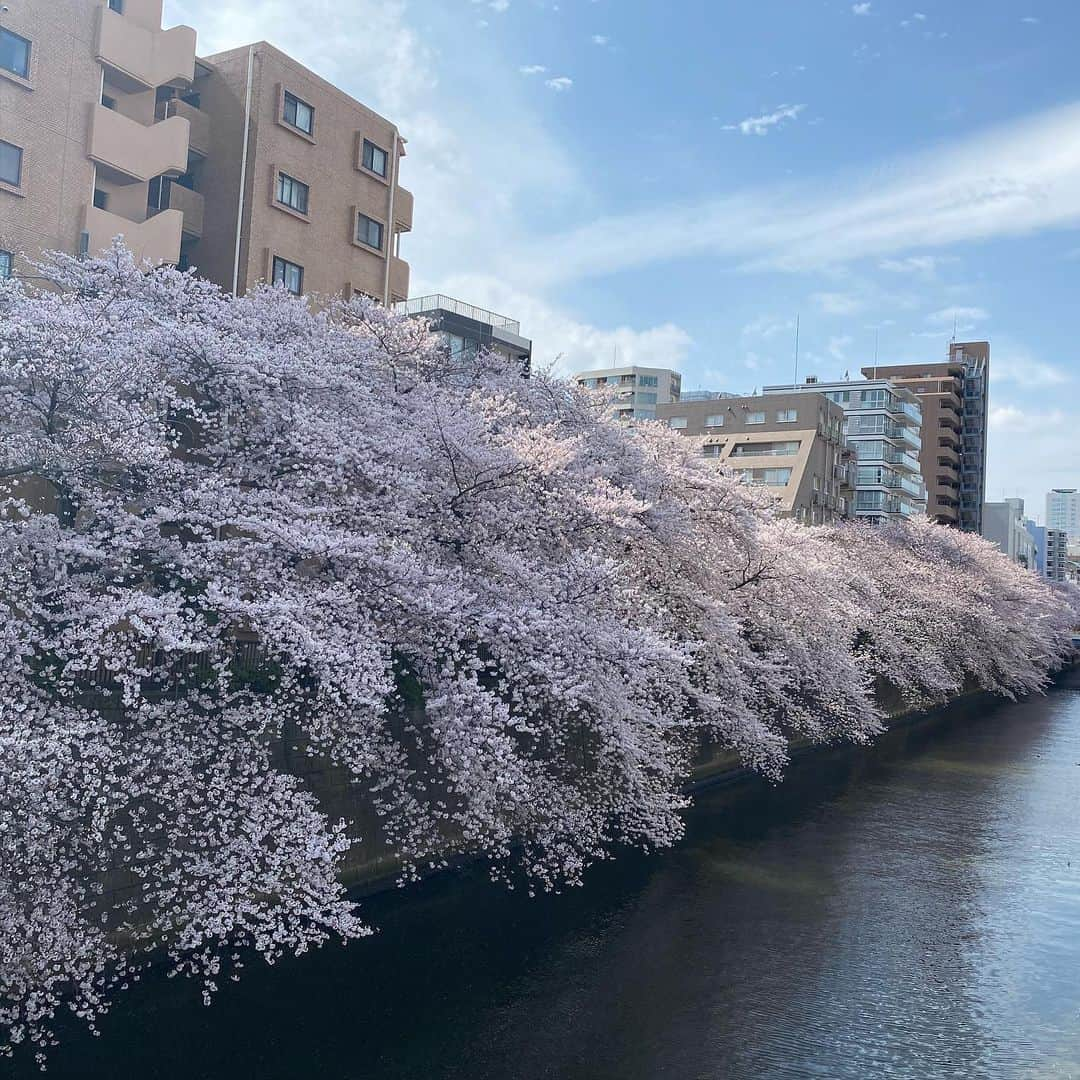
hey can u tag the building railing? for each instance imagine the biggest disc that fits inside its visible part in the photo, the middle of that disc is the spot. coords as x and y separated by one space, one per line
420 305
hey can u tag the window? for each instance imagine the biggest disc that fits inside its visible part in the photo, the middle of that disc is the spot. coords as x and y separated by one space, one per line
15 54
299 114
108 102
647 380
713 450
374 158
677 422
369 231
716 420
117 6
644 398
755 418
7 262
776 477
10 164
289 274
101 199
292 193
786 416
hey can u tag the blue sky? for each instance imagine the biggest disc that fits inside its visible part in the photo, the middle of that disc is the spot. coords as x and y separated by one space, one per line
674 182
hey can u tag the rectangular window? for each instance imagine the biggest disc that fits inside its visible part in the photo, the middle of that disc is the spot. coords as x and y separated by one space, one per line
117 6
10 163
15 54
647 380
369 231
713 450
289 274
292 193
677 422
786 416
108 102
7 263
299 113
101 199
755 418
374 158
776 477
716 420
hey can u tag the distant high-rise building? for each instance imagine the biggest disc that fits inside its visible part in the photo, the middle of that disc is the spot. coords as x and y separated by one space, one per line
467 328
1063 511
882 424
953 455
1003 524
794 445
637 390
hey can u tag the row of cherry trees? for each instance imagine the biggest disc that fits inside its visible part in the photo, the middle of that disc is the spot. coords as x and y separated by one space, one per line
234 526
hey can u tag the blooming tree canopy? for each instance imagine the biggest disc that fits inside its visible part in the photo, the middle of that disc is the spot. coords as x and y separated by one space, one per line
237 535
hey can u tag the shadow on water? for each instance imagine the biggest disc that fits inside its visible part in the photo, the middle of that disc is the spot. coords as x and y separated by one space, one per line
863 919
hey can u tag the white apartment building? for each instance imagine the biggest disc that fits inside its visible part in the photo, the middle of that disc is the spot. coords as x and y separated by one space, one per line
1063 511
637 390
883 426
1003 524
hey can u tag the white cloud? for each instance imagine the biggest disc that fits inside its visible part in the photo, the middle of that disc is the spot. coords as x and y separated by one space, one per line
949 315
1010 419
1010 364
532 69
837 303
559 84
1010 181
766 328
919 15
761 125
600 39
923 265
1029 19
838 346
860 9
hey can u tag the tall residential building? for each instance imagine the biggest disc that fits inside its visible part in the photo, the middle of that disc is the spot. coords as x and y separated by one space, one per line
638 390
82 136
882 423
954 403
301 183
1051 551
793 444
467 328
245 165
1063 511
1003 524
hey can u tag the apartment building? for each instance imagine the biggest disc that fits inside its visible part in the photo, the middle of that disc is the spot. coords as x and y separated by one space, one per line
1063 512
245 165
82 133
467 329
882 423
300 183
954 401
1051 551
637 390
1003 524
794 444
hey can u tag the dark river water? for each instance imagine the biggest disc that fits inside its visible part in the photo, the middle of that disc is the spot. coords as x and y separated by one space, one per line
905 912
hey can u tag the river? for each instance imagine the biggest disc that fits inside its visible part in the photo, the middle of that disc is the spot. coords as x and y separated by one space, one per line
908 911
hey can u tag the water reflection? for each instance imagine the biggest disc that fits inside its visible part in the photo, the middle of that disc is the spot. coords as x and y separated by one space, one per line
913 911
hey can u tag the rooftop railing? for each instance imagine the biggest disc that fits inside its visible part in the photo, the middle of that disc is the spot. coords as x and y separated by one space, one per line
422 305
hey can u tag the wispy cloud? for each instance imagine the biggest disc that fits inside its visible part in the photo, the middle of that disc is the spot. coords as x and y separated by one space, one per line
762 125
1031 19
837 303
532 69
1009 181
600 39
860 9
559 83
949 315
923 265
1018 421
1017 365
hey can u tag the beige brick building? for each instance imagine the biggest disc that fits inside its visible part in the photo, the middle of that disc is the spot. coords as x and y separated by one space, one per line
794 444
246 165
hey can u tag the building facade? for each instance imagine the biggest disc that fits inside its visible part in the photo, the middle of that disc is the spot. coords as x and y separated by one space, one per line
1063 512
954 401
882 423
1003 524
793 444
638 390
1051 551
83 134
467 329
245 165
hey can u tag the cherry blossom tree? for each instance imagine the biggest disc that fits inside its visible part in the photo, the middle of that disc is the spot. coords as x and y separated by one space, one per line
239 536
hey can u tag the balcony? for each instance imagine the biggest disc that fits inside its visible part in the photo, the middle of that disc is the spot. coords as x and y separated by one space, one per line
174 196
136 151
403 210
142 58
199 138
157 239
399 277
948 454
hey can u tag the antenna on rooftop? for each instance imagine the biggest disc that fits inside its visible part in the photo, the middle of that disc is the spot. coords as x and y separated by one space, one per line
795 382
876 333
